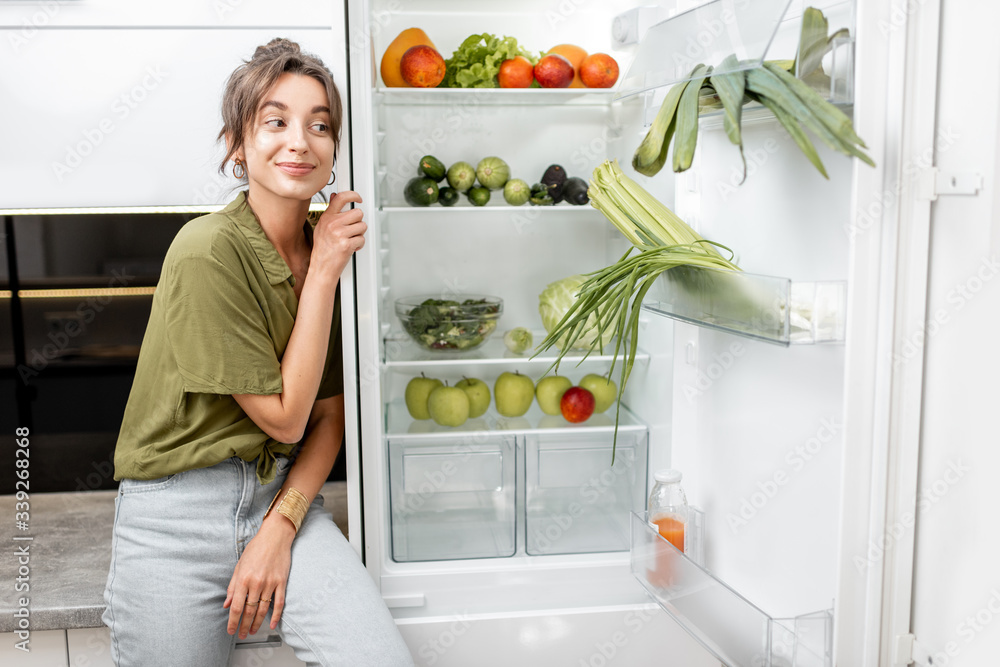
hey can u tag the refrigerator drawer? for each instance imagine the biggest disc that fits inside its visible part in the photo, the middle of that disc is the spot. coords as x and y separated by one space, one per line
452 501
575 500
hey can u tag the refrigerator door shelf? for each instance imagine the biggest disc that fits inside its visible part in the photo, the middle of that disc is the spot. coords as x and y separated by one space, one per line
728 625
400 426
766 308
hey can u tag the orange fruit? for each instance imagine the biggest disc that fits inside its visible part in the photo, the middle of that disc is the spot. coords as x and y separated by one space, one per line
575 55
598 71
391 75
422 67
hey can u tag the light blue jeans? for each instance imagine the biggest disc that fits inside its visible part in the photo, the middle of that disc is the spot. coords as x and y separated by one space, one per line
176 543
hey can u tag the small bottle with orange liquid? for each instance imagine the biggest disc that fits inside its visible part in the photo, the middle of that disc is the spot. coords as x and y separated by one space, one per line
668 511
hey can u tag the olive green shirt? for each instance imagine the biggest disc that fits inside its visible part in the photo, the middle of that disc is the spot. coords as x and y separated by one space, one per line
221 317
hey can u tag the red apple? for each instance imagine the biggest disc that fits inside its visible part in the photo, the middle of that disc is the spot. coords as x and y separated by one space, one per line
422 67
554 71
516 73
599 70
577 405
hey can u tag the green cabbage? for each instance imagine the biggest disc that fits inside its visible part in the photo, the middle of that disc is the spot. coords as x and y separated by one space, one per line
555 301
476 63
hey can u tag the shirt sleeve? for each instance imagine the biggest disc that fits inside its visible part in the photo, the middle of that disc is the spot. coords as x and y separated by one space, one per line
333 378
217 331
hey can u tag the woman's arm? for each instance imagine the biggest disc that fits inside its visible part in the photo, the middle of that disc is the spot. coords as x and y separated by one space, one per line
263 568
337 236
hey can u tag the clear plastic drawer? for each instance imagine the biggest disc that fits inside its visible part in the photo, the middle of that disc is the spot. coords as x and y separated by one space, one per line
452 501
576 501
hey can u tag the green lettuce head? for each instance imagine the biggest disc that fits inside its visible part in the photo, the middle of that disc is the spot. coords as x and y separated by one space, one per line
555 301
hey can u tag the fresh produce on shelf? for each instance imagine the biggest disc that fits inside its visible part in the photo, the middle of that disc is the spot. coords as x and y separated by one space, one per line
540 195
555 178
479 196
417 392
513 393
598 70
404 41
549 392
476 62
575 55
555 303
448 406
422 67
576 405
575 191
516 192
554 71
461 176
420 191
492 173
433 168
604 390
444 324
794 103
586 311
448 196
518 340
478 393
516 72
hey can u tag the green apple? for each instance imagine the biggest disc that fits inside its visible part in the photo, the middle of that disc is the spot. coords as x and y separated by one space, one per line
514 393
449 406
478 393
549 391
604 390
417 392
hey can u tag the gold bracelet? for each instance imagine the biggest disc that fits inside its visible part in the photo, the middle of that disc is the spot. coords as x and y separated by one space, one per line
293 507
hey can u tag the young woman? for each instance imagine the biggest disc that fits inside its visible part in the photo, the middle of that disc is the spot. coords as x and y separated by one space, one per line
218 529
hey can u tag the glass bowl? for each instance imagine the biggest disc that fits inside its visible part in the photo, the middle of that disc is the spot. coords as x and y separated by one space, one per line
463 322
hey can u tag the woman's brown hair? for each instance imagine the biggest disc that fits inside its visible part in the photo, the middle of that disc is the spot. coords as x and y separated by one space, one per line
250 82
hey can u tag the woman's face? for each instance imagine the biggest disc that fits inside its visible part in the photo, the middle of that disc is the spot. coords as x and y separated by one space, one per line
289 152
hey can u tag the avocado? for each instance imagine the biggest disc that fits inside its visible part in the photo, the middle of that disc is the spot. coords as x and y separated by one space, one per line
555 178
420 192
575 191
432 168
479 196
447 196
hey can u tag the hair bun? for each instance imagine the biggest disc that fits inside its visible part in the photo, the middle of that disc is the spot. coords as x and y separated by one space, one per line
277 46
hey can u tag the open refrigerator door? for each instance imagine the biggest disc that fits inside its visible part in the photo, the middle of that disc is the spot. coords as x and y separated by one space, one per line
515 537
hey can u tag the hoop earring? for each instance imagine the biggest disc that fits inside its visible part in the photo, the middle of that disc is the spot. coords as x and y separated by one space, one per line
239 165
334 174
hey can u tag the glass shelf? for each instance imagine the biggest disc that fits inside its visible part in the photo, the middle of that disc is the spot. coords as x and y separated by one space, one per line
472 97
400 425
767 308
729 626
494 207
402 353
703 35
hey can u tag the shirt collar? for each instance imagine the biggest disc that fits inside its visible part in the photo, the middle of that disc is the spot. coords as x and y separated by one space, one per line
274 266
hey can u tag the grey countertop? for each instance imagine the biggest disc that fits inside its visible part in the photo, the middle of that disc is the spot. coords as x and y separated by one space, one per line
70 552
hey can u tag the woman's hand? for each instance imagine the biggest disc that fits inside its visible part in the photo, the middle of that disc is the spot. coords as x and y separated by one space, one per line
260 576
338 234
